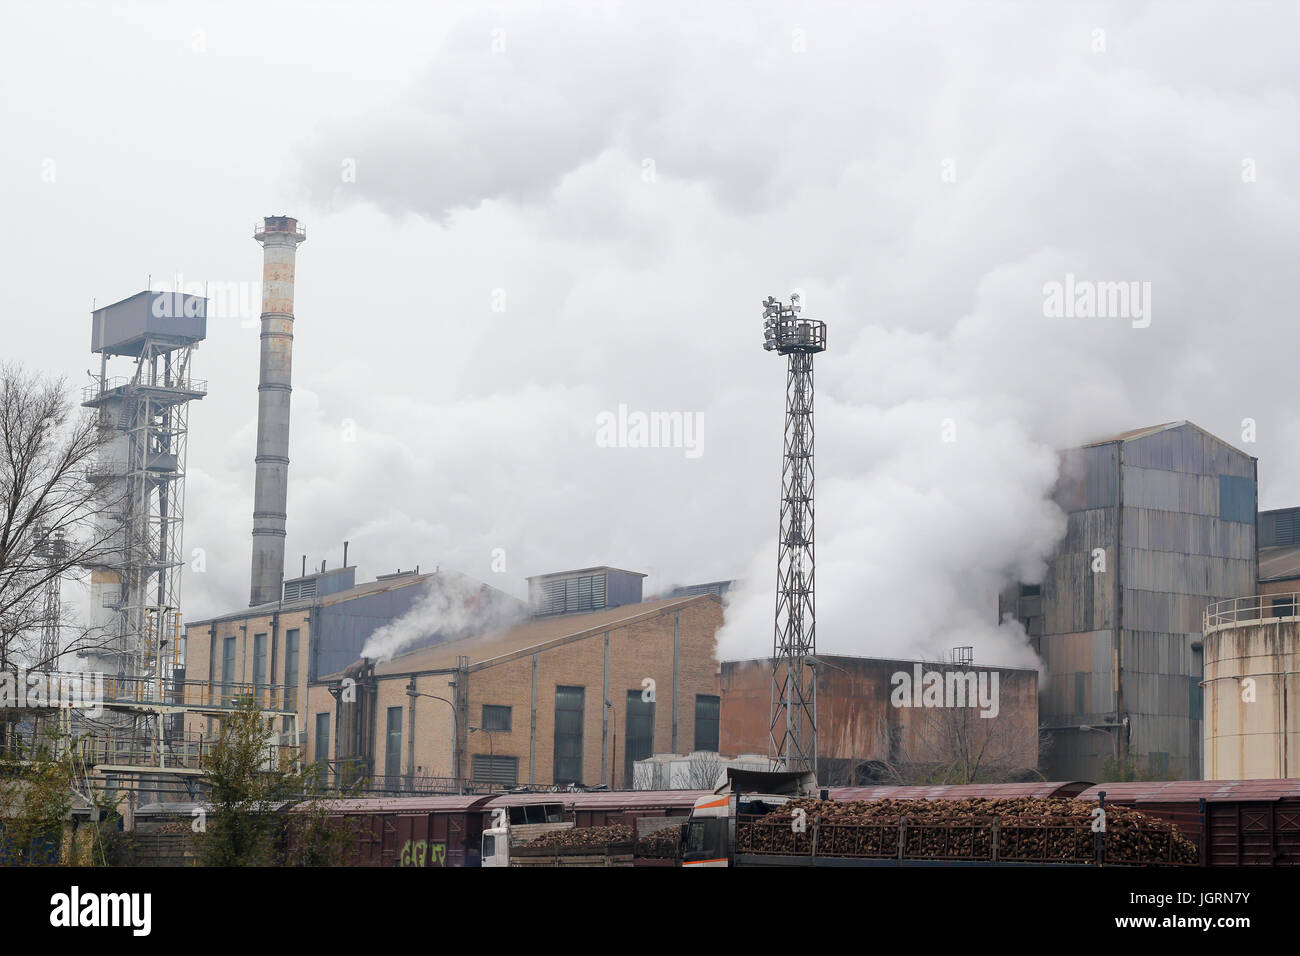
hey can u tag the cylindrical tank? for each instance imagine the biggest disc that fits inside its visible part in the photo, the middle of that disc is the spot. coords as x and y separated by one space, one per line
1252 688
279 236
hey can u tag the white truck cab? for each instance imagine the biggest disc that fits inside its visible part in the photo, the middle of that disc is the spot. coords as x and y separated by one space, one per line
518 824
710 836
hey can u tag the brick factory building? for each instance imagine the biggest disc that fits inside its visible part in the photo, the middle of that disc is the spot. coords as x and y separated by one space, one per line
274 651
870 732
562 698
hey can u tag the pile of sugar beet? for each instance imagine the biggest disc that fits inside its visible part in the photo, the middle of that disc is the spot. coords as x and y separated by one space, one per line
1048 829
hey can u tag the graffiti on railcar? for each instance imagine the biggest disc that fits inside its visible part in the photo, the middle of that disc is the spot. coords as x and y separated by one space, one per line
422 853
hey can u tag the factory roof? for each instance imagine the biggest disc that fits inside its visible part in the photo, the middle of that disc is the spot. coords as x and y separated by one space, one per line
1279 564
601 567
387 583
1137 433
529 636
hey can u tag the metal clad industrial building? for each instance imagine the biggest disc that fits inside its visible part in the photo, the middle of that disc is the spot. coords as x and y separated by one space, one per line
1171 509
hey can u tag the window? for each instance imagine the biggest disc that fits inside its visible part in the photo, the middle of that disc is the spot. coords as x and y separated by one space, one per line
259 663
393 746
1284 607
291 668
568 735
322 749
640 733
487 768
707 711
496 718
227 667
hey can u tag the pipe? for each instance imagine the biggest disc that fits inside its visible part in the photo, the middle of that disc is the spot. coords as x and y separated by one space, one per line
279 236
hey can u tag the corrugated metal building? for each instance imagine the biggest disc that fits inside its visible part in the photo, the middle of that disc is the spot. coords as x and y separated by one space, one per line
1161 524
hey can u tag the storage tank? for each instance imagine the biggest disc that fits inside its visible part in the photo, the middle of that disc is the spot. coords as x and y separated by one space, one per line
1252 688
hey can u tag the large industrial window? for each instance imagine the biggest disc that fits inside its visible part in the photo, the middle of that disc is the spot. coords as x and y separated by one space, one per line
568 735
640 733
227 667
393 746
259 664
291 668
322 749
496 718
487 768
707 710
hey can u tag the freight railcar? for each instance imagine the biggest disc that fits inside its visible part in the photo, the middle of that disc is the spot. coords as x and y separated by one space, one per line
447 830
1233 822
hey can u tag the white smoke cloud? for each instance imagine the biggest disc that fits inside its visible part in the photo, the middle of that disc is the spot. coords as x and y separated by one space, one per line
517 177
452 606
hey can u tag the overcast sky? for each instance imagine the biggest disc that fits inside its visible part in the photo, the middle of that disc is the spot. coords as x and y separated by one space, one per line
522 216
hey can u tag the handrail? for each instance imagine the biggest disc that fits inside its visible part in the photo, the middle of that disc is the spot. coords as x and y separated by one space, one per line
1255 608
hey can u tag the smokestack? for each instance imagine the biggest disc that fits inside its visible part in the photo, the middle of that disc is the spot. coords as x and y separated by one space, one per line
279 236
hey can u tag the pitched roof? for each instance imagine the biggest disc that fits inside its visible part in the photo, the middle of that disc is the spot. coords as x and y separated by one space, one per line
325 600
1138 433
483 650
1279 564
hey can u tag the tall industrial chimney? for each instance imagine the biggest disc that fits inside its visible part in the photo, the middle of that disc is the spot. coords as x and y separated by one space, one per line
279 236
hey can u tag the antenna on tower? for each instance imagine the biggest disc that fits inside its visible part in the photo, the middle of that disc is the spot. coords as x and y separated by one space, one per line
792 732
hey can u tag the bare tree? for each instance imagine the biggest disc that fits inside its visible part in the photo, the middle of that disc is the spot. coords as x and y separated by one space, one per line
953 745
47 448
703 771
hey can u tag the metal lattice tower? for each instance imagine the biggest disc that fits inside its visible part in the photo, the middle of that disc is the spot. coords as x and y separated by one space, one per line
52 547
792 733
135 590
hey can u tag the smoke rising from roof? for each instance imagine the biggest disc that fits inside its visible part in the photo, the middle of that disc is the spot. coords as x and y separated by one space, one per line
451 607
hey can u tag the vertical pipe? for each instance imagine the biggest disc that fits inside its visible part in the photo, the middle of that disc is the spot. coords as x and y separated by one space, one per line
604 720
410 736
279 236
532 731
677 634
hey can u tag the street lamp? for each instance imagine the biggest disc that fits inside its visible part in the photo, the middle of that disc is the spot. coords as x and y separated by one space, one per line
1114 737
455 762
815 662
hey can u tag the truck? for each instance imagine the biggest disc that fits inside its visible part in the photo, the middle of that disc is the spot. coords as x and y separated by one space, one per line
709 839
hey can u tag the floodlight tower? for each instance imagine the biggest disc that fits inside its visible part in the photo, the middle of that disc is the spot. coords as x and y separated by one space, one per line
792 732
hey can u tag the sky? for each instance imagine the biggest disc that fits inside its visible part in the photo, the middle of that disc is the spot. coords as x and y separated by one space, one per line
526 221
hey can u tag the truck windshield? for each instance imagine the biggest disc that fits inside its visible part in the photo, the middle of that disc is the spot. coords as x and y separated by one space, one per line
696 839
